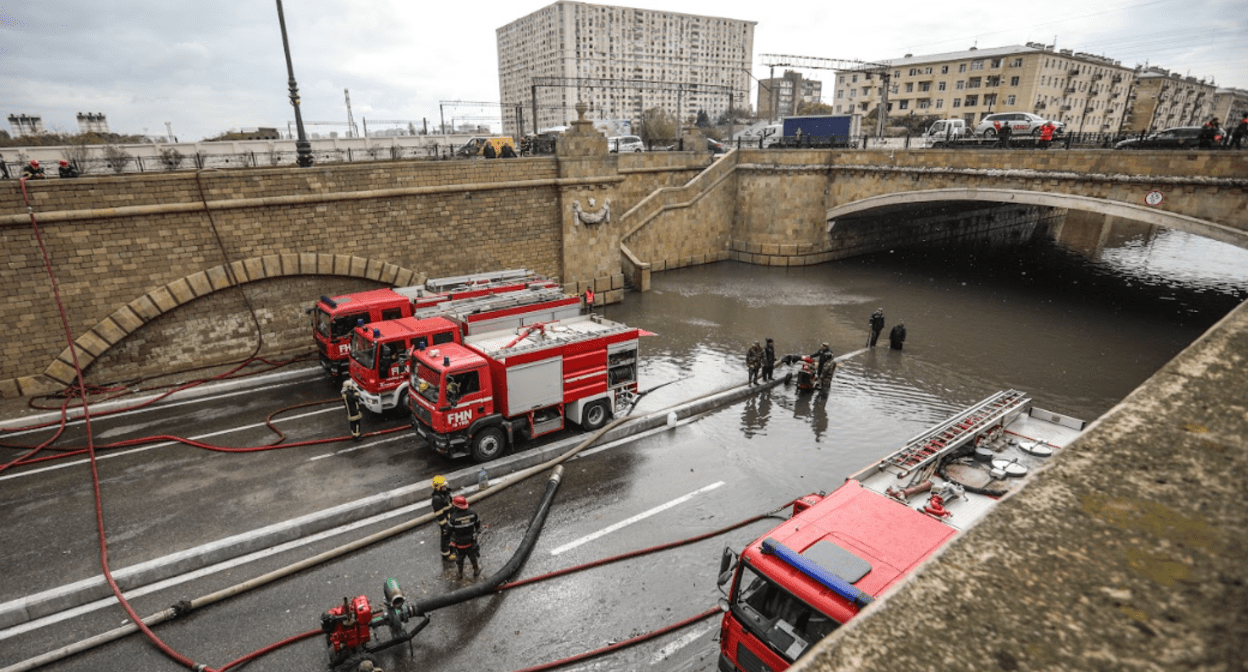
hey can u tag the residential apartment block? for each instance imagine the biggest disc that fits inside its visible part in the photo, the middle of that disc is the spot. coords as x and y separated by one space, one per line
781 96
1165 99
1230 106
679 62
1086 92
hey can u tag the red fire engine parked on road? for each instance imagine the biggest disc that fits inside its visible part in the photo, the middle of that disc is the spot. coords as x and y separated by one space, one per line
480 397
335 318
380 351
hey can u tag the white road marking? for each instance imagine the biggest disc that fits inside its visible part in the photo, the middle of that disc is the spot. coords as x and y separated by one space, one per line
352 449
162 444
641 516
666 652
205 571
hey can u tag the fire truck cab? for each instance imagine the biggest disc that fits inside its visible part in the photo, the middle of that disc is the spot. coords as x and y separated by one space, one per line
796 584
380 354
480 397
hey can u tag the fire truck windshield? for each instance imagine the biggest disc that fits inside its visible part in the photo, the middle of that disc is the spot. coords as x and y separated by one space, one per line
364 351
321 322
425 382
342 326
776 617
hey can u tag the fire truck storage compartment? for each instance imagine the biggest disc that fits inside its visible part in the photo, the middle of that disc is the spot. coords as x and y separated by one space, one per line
621 363
480 326
534 385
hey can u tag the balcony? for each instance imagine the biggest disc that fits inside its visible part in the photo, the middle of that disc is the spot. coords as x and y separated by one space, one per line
1115 79
1066 108
1074 72
1072 89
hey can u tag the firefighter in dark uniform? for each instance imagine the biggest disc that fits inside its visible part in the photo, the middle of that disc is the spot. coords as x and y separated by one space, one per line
897 336
441 504
465 524
351 399
821 356
877 325
754 360
769 359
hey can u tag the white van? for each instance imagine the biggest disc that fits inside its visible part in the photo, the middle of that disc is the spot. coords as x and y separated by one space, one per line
944 129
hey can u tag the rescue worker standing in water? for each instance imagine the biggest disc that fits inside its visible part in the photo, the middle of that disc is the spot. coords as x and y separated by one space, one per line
877 325
465 524
822 356
441 504
754 360
769 359
897 336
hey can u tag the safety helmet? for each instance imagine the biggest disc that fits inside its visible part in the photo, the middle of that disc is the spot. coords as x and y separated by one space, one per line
439 481
64 162
825 344
34 163
460 502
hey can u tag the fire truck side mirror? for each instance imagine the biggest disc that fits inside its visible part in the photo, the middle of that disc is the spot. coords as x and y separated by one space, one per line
727 564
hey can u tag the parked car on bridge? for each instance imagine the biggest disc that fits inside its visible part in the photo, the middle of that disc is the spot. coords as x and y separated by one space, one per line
1020 123
716 146
1179 137
625 143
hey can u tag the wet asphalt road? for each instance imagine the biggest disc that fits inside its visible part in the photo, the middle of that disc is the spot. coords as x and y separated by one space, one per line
1076 340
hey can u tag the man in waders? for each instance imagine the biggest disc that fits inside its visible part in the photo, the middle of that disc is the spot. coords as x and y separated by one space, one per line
769 359
877 325
465 524
351 399
754 360
441 504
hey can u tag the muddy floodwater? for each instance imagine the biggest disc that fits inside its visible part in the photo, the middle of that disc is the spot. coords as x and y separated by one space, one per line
1076 324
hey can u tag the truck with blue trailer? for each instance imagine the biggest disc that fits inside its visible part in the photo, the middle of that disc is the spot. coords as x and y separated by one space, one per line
821 130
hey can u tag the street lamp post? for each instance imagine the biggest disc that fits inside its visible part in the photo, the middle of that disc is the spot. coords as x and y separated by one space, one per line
303 148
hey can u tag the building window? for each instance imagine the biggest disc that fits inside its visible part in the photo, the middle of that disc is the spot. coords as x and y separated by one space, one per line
940 86
855 79
940 102
973 83
927 70
914 71
925 86
909 87
996 62
1014 81
1009 100
1018 62
840 93
972 101
957 102
959 85
977 65
961 67
903 105
924 104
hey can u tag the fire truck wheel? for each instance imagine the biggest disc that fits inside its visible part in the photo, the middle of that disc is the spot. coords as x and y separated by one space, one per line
402 409
594 416
488 444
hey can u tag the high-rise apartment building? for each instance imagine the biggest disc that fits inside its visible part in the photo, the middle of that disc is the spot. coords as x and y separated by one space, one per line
620 61
782 96
1086 92
1230 106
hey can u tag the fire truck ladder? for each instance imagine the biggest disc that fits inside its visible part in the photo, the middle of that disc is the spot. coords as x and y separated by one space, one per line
931 445
478 280
462 307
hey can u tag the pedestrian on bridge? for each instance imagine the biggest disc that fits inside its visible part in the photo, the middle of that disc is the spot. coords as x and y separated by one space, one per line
876 323
465 526
1003 136
1046 134
1240 131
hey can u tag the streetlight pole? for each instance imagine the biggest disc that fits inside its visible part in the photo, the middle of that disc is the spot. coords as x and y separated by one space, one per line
303 148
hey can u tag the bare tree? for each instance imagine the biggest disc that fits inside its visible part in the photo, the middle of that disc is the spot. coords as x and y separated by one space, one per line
117 157
77 153
657 124
172 158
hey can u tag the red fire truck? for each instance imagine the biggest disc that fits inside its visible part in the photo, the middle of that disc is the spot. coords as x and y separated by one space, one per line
334 318
802 580
380 351
480 397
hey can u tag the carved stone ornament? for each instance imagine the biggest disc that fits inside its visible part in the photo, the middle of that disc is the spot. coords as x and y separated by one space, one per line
600 217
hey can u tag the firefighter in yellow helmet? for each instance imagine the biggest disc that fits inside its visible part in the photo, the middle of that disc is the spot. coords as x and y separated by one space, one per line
441 503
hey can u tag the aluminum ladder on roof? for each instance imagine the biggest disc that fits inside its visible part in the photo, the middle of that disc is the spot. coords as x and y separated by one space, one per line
938 441
480 304
479 280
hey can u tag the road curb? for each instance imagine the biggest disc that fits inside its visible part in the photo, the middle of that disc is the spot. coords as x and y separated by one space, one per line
78 593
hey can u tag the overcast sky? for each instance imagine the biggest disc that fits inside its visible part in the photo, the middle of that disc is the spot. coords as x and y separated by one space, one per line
208 67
